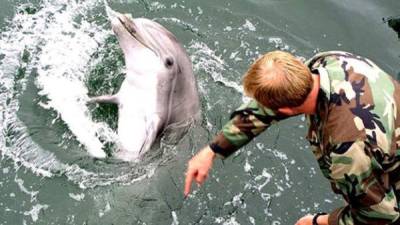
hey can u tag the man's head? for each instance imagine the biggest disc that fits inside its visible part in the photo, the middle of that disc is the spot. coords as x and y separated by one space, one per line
278 80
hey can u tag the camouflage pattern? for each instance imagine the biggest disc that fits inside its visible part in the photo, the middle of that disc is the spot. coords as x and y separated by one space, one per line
355 136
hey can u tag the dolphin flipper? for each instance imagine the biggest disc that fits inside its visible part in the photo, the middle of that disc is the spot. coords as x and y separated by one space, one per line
105 99
151 132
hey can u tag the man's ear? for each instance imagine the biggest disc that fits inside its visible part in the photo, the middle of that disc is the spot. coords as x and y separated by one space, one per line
287 111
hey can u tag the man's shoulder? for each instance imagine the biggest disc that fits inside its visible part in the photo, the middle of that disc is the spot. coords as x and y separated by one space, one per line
321 58
347 72
362 99
341 59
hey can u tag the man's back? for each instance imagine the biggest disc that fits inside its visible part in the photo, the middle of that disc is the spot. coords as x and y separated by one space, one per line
356 133
361 98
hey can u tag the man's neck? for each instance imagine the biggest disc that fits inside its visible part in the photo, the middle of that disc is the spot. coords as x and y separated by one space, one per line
310 105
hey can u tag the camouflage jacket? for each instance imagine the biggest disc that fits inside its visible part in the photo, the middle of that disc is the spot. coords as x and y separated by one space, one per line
355 135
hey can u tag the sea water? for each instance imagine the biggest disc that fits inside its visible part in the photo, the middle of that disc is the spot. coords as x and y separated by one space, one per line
54 54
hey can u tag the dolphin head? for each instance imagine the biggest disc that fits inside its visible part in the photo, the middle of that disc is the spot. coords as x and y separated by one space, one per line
140 36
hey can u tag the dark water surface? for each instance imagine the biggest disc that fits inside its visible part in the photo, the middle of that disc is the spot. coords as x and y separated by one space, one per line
54 53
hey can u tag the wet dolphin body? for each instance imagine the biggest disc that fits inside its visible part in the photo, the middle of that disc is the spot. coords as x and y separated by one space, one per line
159 89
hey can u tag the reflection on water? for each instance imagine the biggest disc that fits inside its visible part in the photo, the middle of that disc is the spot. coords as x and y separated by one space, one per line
53 54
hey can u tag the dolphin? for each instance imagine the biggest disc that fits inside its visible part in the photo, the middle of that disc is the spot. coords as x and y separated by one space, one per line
159 90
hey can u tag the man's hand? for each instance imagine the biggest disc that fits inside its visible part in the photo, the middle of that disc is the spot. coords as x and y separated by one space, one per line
307 220
198 168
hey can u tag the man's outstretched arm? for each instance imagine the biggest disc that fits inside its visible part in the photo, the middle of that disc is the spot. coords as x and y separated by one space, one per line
246 122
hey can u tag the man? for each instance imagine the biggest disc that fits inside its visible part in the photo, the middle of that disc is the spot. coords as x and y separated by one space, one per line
354 128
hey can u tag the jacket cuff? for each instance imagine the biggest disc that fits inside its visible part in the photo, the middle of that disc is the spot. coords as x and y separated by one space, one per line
222 147
334 217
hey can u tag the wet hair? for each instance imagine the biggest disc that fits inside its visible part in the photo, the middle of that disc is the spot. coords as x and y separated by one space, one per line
278 79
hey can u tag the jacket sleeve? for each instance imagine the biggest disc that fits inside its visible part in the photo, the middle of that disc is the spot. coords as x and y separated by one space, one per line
358 176
248 121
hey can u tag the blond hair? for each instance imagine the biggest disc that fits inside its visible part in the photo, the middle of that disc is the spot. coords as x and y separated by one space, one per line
277 79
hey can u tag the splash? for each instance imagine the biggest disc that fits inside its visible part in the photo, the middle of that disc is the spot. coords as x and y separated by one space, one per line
56 43
206 58
63 70
34 212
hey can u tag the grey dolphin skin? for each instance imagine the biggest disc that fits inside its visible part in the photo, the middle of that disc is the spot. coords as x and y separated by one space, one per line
159 90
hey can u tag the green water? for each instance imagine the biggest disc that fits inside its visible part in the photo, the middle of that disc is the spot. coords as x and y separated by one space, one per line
273 180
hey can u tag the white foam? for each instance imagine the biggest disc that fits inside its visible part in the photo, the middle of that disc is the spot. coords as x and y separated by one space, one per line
249 25
6 170
252 220
107 208
264 175
60 50
231 221
30 31
181 23
34 212
157 6
204 58
174 218
279 44
247 166
77 197
200 11
228 28
62 71
25 190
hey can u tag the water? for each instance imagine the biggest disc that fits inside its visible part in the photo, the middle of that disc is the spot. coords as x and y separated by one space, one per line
56 53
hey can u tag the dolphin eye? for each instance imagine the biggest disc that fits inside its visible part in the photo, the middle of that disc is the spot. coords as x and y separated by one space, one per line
169 62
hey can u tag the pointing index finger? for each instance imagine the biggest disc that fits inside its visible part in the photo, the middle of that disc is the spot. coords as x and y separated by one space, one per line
188 181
